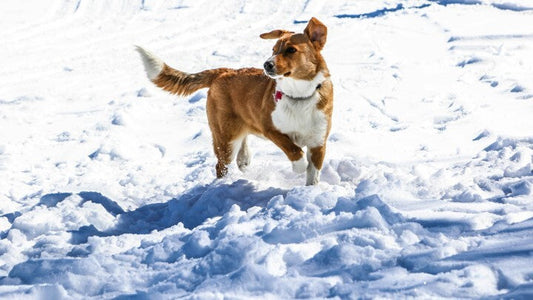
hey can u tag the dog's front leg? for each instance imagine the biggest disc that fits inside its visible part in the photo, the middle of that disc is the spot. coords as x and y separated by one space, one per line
293 151
315 156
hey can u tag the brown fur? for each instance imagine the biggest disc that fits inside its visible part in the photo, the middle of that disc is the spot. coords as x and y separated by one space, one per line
184 84
240 102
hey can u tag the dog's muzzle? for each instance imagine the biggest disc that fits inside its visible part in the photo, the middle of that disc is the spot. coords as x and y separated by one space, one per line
270 67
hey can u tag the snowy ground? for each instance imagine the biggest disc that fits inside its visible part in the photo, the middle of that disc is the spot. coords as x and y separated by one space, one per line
107 185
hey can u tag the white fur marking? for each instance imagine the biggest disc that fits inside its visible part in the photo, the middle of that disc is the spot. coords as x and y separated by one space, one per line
299 88
152 64
300 119
236 146
299 166
243 157
313 173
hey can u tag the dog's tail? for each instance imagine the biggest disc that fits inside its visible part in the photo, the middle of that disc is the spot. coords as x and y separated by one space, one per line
172 80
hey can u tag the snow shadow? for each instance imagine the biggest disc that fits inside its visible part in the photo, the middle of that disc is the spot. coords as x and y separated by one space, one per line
379 12
51 200
191 208
490 37
511 7
459 2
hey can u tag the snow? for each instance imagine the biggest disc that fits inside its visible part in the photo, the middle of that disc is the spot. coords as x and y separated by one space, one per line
108 188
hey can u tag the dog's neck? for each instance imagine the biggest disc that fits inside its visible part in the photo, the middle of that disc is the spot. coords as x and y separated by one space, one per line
298 88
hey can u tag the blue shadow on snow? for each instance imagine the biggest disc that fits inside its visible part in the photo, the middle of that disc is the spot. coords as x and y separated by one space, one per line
378 13
191 208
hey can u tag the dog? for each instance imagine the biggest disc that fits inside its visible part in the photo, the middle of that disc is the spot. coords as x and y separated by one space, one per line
289 101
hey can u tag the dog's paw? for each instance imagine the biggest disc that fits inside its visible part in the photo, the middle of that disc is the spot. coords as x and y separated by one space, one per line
299 166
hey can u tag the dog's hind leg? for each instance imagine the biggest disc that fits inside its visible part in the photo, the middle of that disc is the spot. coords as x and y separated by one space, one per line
224 154
227 142
225 151
243 157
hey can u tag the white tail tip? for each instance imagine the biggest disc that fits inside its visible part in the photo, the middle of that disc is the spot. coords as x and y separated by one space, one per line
152 64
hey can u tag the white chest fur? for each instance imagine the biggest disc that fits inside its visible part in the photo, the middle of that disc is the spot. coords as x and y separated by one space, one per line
301 121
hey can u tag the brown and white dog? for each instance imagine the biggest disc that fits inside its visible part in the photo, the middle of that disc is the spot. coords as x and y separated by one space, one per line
289 102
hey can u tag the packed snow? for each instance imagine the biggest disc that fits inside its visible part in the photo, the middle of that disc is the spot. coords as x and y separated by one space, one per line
108 188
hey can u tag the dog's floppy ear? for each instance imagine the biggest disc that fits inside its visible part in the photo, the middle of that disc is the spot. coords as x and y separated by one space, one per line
274 34
316 32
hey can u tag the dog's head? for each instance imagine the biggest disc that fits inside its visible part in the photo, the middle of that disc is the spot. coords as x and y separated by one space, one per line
297 55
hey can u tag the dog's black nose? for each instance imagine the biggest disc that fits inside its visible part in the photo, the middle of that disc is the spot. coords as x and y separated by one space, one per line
269 66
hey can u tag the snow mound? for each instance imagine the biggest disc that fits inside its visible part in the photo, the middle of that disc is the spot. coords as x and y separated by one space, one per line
211 236
108 188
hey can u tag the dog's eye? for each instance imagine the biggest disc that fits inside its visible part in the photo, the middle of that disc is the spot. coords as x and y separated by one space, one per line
290 50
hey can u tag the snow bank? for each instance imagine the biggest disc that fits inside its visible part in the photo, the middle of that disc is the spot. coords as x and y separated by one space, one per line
108 187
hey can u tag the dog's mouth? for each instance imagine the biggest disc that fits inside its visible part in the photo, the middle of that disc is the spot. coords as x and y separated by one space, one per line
273 75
